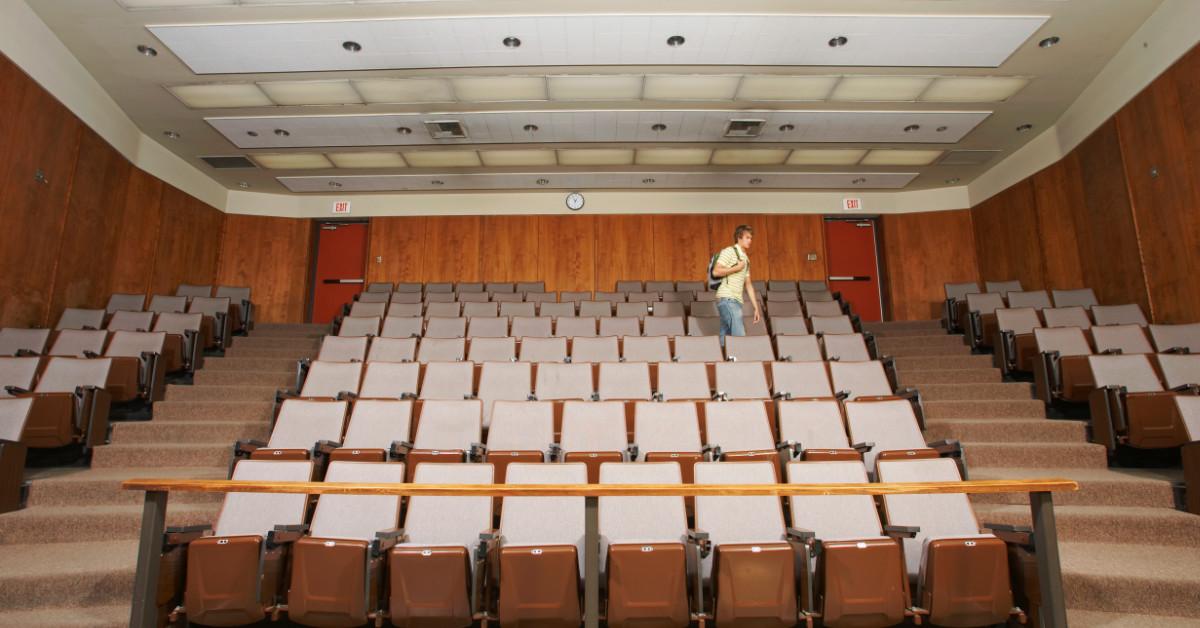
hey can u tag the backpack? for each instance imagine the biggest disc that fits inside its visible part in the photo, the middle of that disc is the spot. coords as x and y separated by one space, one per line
714 282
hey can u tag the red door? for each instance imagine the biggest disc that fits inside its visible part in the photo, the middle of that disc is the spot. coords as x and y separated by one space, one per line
341 259
853 265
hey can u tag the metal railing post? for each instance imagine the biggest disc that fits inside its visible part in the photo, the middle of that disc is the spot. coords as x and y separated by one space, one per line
1053 612
144 613
591 562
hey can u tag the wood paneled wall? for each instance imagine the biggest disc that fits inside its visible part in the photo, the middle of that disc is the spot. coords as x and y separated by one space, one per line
921 253
272 256
92 224
1118 214
585 252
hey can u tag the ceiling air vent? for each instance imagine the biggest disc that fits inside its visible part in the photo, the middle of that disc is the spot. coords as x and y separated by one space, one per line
744 128
446 129
223 162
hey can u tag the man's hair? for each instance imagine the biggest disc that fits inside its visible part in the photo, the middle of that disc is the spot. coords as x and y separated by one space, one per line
737 233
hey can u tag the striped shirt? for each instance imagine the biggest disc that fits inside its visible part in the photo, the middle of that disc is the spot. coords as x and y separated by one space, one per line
733 285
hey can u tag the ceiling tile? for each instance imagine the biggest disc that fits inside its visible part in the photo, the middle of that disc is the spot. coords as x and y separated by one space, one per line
292 161
505 158
443 159
896 157
749 156
499 88
767 87
310 92
974 88
826 157
880 88
673 156
414 90
690 87
599 87
595 157
367 160
221 95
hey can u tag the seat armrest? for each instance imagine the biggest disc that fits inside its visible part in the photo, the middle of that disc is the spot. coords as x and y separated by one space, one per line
555 452
1018 535
901 532
710 452
324 447
657 396
408 396
720 396
182 535
788 446
385 539
16 390
947 447
90 354
477 452
1178 350
700 539
286 393
246 447
347 395
1112 351
802 535
400 449
27 353
1187 389
842 395
631 452
286 534
782 396
864 447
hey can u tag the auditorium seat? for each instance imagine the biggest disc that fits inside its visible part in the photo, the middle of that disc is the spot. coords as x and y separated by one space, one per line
390 380
752 571
236 575
1188 408
627 326
808 297
670 309
599 349
1129 405
126 302
239 299
597 309
646 349
832 325
742 380
961 574
1037 299
594 433
1073 316
611 297
359 326
980 322
555 381
138 368
343 348
471 310
373 297
581 326
1061 368
695 287
1127 314
684 298
801 380
499 287
338 567
451 309
1083 297
507 297
384 349
532 327
124 320
186 340
16 341
870 379
778 309
628 285
77 318
219 311
1003 288
693 348
886 429
447 431
574 296
635 297
162 303
379 286
703 326
541 298
17 374
14 490
659 287
741 431
749 349
824 309
448 381
439 287
445 327
401 327
79 343
644 554
683 381
1015 346
531 286
816 429
543 349
361 308
755 329
1125 339
405 310
669 432
492 350
521 431
782 285
305 429
777 296
468 287
331 380
70 403
845 348
798 348
541 551
857 572
1176 338
704 309
407 298
442 297
954 307
1180 373
503 381
487 327
513 310
811 285
789 325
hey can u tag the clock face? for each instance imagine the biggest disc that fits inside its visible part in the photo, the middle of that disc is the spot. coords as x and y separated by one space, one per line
575 201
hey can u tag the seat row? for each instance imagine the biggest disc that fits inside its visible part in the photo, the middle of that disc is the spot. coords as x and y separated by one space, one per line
640 309
1015 346
625 285
443 561
211 320
178 338
956 312
588 326
831 347
981 323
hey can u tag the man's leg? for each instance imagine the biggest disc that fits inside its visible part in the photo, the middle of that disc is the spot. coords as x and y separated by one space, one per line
737 326
727 316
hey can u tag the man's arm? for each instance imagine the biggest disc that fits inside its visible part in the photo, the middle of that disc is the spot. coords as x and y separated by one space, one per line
720 270
753 297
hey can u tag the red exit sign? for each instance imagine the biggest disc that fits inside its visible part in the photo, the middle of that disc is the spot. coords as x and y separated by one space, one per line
851 204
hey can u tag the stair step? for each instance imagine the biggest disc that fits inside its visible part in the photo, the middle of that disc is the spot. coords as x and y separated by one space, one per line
275 379
914 324
155 432
894 343
1035 455
297 344
917 362
1006 430
1136 579
191 454
221 393
925 377
229 363
212 410
63 524
289 354
1097 487
109 616
74 575
1098 619
1001 409
975 392
1106 524
103 486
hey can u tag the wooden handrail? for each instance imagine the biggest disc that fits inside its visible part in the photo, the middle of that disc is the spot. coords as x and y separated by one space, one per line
600 490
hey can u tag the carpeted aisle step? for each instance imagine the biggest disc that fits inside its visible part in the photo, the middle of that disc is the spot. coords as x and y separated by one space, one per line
66 575
221 393
1139 579
923 377
275 379
898 345
1005 430
213 411
228 363
103 486
155 432
990 409
1097 619
1035 455
290 355
963 361
975 392
69 524
1097 487
110 616
189 454
293 344
883 326
1106 524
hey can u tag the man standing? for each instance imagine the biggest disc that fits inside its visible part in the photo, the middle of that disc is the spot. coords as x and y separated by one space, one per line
733 265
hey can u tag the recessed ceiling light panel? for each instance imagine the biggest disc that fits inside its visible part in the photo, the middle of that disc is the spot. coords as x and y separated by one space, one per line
443 159
515 158
367 160
673 156
595 87
974 88
895 157
221 95
826 157
499 88
690 87
767 87
595 157
749 156
880 88
292 161
409 90
311 92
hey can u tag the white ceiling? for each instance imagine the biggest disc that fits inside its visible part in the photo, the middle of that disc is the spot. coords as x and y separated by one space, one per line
589 74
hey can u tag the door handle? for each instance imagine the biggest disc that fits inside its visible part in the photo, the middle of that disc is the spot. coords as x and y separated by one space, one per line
343 281
851 278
